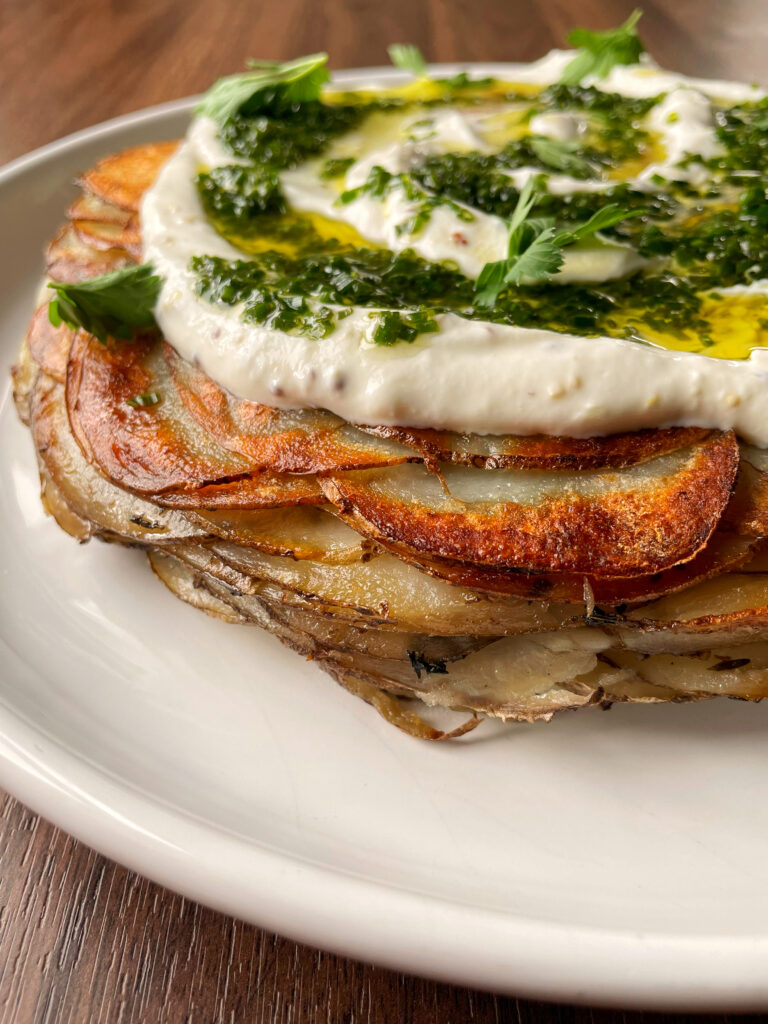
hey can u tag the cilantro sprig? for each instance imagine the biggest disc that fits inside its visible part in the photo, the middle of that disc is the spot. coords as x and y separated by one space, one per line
535 244
112 305
601 51
296 81
408 57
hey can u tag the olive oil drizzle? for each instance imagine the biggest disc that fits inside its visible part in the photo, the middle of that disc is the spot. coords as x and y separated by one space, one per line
304 273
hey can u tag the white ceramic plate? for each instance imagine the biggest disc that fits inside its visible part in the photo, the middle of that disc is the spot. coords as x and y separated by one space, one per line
606 858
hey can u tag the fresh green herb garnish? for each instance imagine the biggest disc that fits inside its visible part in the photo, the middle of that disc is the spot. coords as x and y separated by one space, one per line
601 51
381 182
463 81
336 167
408 57
392 327
296 81
283 137
562 156
239 195
143 401
534 247
108 306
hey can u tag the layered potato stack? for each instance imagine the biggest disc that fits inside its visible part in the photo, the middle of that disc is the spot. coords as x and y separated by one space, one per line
503 576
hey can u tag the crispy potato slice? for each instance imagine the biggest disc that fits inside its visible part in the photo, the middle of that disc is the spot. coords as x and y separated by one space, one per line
103 236
279 440
182 582
49 346
624 523
24 375
382 592
724 551
248 493
493 451
107 509
732 609
300 532
748 510
122 178
159 451
150 449
67 259
91 208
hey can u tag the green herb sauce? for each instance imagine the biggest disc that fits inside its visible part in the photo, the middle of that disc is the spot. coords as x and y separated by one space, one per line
303 280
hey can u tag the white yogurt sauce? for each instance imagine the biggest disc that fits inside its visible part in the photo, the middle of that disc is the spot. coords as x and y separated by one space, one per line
469 376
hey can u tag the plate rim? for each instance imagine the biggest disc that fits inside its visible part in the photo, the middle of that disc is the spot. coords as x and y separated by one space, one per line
370 920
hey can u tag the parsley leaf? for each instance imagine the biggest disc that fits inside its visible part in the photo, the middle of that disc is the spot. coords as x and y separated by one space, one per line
297 81
561 156
534 247
601 219
601 51
408 57
110 305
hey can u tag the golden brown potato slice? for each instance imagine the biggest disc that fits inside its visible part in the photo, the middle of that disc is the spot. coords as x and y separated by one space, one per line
300 532
68 259
491 451
123 178
748 511
255 491
86 494
724 552
147 449
731 609
103 236
280 440
623 523
158 450
91 208
48 345
381 592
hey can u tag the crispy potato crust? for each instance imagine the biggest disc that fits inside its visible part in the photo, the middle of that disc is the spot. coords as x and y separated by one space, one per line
122 179
541 452
286 441
631 529
159 451
521 543
49 346
67 259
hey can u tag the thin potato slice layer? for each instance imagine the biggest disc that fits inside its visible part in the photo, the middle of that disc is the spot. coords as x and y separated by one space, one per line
623 523
122 179
489 451
278 440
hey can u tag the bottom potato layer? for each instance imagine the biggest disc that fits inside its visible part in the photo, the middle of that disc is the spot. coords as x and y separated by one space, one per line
392 634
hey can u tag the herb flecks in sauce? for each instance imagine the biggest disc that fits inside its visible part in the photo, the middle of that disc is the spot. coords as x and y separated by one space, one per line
381 183
307 270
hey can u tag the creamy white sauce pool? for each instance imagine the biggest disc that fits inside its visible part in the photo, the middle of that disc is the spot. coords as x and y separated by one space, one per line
469 376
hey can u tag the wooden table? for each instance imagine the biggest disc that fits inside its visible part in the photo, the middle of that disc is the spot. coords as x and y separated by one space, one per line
82 939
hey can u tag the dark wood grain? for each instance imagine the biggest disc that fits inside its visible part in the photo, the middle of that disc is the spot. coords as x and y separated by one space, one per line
82 939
